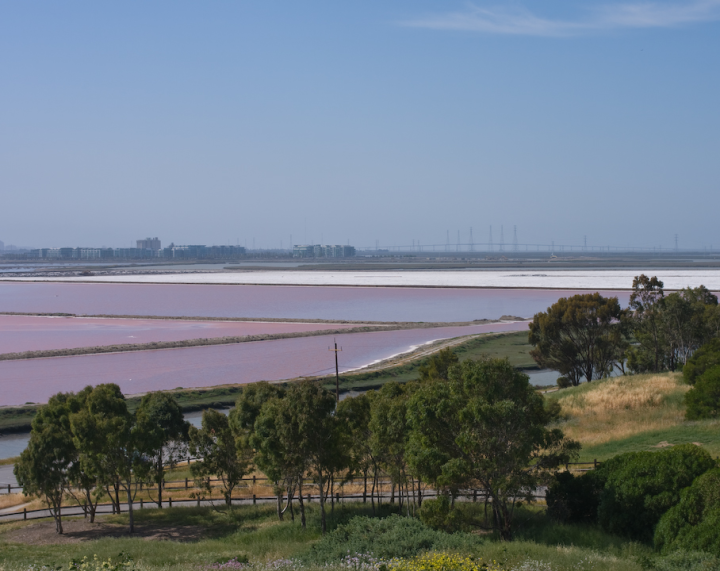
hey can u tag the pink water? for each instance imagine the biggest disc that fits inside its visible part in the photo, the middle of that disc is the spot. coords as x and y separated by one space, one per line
316 302
35 380
29 333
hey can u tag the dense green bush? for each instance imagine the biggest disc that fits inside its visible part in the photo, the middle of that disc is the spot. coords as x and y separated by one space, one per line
703 400
641 486
694 523
572 499
438 514
706 357
683 561
394 536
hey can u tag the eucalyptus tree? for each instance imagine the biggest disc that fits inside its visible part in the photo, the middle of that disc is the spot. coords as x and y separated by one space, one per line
578 336
242 420
160 423
686 320
355 413
44 466
485 427
109 443
646 306
389 432
215 446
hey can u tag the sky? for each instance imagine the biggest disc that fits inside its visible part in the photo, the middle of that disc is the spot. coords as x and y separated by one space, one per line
368 122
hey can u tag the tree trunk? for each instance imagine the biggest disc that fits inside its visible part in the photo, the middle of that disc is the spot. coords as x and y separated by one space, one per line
279 502
56 511
323 523
116 485
502 519
365 472
302 505
160 477
130 507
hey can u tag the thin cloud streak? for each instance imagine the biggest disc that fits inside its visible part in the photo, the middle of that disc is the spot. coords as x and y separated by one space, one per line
522 22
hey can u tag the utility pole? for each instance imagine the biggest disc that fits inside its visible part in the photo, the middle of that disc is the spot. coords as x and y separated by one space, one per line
472 246
502 239
337 371
515 242
491 242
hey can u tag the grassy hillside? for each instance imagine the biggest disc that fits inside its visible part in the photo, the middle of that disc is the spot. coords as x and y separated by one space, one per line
630 414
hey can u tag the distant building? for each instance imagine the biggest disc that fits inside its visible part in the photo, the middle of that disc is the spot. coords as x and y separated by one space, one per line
149 244
200 252
320 251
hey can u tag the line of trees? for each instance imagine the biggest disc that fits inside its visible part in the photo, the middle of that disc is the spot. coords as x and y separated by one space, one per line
589 336
462 426
89 445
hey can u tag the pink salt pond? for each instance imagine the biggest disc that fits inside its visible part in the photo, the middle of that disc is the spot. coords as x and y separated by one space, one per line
35 380
20 333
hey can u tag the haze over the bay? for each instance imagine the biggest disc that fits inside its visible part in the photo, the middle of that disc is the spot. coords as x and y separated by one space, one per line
227 122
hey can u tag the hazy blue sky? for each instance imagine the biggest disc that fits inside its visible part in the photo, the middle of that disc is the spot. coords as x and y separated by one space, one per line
209 122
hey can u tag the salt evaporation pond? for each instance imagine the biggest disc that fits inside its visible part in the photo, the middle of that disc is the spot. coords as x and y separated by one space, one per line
35 380
536 277
31 333
284 302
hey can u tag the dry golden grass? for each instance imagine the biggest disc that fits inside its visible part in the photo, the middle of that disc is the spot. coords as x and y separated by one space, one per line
10 500
619 408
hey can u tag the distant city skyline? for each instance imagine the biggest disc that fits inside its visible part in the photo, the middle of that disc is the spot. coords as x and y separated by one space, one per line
400 122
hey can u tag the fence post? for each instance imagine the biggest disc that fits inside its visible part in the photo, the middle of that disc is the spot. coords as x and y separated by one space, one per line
198 501
170 502
141 503
8 488
475 495
186 483
337 497
254 499
24 513
309 498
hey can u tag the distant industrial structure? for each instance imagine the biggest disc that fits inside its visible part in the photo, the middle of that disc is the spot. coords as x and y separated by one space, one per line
149 244
146 249
320 251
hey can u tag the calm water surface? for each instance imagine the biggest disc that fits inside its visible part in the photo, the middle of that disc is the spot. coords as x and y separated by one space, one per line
35 380
29 333
317 302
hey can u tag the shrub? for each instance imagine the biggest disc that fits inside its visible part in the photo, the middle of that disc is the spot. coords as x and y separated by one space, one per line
706 357
683 561
388 538
641 486
443 562
438 514
564 382
572 499
703 400
694 523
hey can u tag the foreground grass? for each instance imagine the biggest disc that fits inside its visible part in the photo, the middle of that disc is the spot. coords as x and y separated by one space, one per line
254 532
630 414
